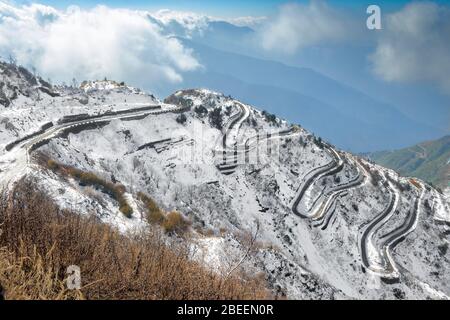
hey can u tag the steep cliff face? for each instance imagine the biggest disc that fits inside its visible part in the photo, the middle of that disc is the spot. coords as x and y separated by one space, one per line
261 195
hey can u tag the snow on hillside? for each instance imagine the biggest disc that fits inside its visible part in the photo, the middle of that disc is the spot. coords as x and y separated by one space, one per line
326 224
107 85
443 206
29 107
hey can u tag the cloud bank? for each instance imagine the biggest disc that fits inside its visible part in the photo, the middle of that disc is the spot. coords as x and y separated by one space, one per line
415 45
136 47
91 44
297 26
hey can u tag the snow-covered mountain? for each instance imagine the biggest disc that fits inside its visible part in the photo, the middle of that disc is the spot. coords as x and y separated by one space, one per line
262 196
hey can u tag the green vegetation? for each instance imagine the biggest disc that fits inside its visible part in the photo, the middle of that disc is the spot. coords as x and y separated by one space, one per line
269 117
201 111
318 142
428 161
181 118
443 248
216 118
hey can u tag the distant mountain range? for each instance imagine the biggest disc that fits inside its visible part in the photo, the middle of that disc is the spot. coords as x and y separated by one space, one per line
339 113
344 115
429 161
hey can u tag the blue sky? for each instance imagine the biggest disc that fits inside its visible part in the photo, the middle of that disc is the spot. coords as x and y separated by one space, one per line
228 8
218 8
406 63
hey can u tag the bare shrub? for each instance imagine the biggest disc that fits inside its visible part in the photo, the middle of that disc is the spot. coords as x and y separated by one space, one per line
175 222
39 241
116 191
154 214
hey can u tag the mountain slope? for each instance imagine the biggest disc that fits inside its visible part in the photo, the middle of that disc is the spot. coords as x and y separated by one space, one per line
429 161
15 82
261 196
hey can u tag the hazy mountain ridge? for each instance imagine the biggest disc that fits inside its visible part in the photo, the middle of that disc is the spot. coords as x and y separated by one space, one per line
324 219
323 105
429 161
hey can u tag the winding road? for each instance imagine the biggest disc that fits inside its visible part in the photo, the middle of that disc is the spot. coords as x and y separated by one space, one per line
230 132
241 153
367 248
332 167
381 261
376 259
14 162
394 237
335 192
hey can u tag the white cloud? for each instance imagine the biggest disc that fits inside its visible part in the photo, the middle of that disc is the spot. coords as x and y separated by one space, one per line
190 24
415 45
117 43
189 20
248 21
297 26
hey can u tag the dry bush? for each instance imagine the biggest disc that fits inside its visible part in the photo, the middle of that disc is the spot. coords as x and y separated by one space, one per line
156 217
154 214
116 191
126 210
175 222
204 231
39 241
52 164
27 277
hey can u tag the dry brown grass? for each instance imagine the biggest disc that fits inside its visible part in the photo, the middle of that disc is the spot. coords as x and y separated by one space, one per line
171 222
155 215
27 277
39 241
115 190
175 222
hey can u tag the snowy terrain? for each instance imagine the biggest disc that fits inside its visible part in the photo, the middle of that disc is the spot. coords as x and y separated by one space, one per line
326 224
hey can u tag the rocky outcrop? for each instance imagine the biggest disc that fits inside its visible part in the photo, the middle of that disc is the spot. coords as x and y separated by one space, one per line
17 81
